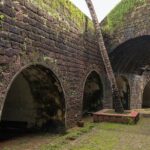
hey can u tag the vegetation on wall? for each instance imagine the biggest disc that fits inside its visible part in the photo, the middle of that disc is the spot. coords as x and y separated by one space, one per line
64 10
1 19
116 16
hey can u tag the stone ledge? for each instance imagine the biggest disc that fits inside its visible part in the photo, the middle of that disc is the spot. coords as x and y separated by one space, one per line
105 115
145 112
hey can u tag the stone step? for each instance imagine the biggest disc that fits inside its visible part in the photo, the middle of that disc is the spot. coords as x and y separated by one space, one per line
109 115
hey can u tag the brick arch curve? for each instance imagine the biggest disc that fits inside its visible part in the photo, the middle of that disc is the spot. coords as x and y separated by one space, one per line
146 82
51 68
92 68
124 57
120 40
137 25
147 79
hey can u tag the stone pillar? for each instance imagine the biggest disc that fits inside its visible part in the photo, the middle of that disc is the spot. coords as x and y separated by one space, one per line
136 91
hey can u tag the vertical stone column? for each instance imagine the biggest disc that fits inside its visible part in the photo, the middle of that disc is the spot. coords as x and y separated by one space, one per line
136 91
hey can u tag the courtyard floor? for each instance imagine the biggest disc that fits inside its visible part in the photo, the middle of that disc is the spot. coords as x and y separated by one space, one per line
94 136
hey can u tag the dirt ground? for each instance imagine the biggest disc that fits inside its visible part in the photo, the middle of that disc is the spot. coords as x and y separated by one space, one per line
94 136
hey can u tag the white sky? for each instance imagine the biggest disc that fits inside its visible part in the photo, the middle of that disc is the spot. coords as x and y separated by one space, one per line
102 7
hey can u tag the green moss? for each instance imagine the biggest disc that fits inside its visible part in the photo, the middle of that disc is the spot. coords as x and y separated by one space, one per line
65 11
116 16
1 18
1 21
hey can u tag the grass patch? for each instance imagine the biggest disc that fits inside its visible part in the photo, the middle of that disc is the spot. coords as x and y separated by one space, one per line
71 135
93 136
97 140
110 126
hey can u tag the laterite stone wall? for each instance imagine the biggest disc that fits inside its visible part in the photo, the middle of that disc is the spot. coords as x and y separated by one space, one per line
129 48
58 36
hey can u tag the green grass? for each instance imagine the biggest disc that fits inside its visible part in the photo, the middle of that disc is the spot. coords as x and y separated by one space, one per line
72 134
116 16
93 136
94 141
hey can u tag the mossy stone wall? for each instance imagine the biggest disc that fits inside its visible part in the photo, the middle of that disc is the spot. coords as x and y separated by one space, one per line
53 33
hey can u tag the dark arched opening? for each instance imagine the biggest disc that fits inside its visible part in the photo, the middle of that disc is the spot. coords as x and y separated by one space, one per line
146 96
35 100
131 56
93 94
124 90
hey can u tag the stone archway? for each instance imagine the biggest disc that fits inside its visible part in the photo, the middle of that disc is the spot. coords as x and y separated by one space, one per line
35 99
146 96
93 94
124 89
132 56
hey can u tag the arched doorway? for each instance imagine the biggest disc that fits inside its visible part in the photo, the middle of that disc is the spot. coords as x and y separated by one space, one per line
34 100
146 96
124 90
93 94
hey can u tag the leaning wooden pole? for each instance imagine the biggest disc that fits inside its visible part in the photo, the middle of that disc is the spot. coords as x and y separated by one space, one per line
115 92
